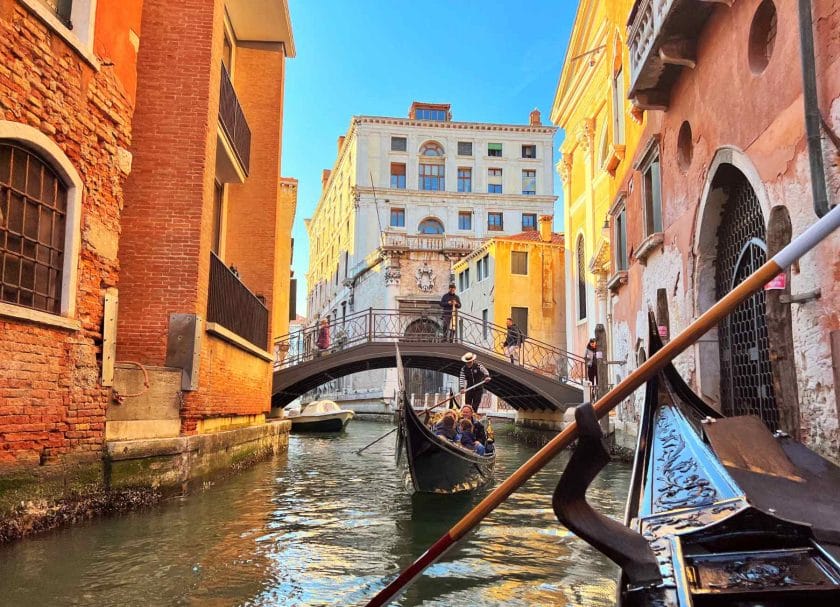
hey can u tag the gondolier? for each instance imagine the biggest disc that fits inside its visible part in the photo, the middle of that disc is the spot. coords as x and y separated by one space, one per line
472 374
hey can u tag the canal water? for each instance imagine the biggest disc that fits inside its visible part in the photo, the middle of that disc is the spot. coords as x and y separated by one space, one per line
322 526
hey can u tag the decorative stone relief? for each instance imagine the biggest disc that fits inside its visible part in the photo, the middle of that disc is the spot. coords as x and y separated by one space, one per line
425 277
586 134
564 167
393 276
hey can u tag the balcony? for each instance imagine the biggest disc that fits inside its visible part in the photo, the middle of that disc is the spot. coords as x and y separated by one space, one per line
231 305
662 36
398 241
234 125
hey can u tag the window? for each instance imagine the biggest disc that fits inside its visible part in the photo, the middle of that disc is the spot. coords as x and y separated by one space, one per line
465 148
495 222
427 114
529 222
397 218
399 144
62 9
620 239
431 149
465 220
33 210
431 177
218 213
430 226
227 52
518 262
464 280
483 267
519 316
618 107
484 319
398 175
494 181
581 279
494 150
652 196
465 180
529 151
529 182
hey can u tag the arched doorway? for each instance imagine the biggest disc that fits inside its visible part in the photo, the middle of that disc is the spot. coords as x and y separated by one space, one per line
423 381
746 379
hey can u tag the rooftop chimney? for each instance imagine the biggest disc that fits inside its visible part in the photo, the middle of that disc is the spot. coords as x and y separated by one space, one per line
340 143
545 227
535 117
325 177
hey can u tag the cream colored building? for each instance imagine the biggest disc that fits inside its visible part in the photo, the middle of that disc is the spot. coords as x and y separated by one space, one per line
408 197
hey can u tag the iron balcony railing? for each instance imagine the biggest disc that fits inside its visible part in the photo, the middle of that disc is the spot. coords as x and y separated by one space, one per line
233 122
233 306
425 325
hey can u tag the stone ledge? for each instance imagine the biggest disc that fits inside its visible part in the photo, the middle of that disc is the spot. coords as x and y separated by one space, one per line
648 246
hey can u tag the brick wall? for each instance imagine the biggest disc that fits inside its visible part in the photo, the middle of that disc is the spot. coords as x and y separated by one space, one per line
51 400
165 243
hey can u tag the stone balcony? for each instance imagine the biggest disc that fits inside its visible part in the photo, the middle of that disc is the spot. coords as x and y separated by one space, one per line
662 37
399 241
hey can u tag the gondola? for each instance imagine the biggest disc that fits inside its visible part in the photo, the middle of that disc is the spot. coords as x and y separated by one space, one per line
720 511
429 463
432 464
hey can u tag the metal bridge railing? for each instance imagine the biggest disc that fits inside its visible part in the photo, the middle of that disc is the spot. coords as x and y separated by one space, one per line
384 326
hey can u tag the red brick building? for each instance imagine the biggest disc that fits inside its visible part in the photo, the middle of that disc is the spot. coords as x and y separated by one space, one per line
67 93
722 180
206 228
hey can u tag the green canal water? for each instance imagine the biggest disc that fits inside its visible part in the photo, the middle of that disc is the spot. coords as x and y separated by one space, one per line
322 526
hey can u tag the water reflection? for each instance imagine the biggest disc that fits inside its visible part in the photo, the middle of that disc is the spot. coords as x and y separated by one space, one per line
321 526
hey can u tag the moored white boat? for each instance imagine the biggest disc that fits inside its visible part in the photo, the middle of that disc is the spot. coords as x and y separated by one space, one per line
319 416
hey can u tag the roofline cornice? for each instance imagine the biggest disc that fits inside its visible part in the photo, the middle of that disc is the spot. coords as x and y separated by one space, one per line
478 126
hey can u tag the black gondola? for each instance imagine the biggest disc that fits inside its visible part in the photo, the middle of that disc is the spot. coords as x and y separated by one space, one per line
720 511
432 464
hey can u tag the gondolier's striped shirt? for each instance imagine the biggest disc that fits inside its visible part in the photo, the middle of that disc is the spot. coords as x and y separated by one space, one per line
475 375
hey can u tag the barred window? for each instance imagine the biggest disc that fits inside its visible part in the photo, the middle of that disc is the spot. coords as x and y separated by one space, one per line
33 208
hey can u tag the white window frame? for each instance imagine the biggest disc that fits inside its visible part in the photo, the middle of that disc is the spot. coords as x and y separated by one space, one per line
83 20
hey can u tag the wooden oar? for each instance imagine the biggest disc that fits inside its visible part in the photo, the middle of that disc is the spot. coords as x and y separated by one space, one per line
445 400
784 258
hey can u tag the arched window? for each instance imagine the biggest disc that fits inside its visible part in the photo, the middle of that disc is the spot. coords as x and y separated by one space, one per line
33 213
581 279
431 148
430 226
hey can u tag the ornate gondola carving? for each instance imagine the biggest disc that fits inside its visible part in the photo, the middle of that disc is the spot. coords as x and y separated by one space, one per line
625 547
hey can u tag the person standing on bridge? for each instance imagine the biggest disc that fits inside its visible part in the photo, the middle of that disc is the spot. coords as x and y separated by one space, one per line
513 341
449 303
323 341
473 374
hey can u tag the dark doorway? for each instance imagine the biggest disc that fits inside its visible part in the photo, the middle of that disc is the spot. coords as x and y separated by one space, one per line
423 381
746 379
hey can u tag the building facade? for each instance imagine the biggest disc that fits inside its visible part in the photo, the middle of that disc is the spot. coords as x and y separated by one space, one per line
406 199
717 187
68 74
602 131
206 244
518 277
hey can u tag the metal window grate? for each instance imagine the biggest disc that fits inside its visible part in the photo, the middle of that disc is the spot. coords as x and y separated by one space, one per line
33 208
746 381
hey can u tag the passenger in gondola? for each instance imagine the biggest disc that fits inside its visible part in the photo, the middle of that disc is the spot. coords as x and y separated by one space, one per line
477 428
446 426
467 438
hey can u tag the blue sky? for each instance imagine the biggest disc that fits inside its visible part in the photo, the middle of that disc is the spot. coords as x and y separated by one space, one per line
493 60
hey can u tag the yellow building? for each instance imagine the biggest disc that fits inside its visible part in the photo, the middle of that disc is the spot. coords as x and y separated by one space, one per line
518 277
602 130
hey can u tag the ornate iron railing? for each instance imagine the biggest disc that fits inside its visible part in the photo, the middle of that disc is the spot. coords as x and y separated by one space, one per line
233 306
425 325
233 121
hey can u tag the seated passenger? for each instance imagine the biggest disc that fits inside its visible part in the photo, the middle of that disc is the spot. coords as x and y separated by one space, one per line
446 427
467 438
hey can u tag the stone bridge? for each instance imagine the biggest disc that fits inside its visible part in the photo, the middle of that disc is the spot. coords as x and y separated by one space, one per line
544 378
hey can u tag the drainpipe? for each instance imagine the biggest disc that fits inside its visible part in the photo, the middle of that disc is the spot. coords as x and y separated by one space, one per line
812 109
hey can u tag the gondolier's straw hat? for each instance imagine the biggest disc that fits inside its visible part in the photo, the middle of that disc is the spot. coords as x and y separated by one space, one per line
468 357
